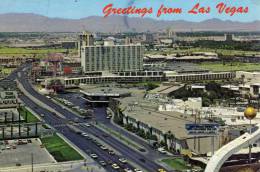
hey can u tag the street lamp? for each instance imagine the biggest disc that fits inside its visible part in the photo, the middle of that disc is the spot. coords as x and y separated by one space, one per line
250 113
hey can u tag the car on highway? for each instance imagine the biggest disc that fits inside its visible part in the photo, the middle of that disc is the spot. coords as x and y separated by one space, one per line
94 156
84 134
110 162
103 163
115 166
82 111
70 104
161 170
111 152
74 107
137 170
104 147
87 125
87 117
98 144
142 160
123 160
88 137
88 151
76 120
109 117
70 122
105 135
128 170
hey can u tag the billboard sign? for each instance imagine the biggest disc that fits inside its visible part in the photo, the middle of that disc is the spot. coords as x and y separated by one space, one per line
209 129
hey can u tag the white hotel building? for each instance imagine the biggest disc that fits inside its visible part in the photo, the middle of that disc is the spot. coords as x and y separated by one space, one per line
112 58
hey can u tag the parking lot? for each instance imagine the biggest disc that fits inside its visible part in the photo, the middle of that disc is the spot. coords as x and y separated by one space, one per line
19 152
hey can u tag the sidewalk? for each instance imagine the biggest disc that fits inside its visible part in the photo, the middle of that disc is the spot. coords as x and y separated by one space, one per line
79 166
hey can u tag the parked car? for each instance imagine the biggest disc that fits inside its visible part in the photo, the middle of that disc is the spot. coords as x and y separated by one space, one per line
162 150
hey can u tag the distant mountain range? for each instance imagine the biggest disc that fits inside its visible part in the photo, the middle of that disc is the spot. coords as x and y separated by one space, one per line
27 22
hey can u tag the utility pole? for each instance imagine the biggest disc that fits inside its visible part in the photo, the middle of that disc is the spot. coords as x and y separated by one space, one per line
32 161
258 103
199 137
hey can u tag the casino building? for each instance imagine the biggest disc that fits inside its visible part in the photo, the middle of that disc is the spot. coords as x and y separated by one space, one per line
109 57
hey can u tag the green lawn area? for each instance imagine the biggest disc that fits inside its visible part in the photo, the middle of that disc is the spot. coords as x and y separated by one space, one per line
6 71
60 150
217 66
191 50
30 116
10 51
176 163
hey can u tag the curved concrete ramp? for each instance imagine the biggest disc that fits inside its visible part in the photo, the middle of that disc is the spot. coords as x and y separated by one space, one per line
221 155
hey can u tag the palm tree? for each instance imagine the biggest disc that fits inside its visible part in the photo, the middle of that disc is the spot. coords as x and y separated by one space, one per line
243 79
248 97
171 138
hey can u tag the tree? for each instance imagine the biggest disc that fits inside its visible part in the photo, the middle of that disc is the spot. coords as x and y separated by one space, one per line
172 140
243 79
151 86
162 143
141 133
118 118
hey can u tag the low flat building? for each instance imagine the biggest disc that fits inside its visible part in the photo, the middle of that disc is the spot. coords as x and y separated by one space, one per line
146 77
166 90
13 61
69 44
194 57
198 88
74 82
101 95
143 115
248 77
255 89
200 76
71 68
185 107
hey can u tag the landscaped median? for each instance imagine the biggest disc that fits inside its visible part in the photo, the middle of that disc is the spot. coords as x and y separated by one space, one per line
60 150
119 136
176 163
27 115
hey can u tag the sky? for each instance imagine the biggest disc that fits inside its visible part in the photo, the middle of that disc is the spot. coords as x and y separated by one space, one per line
75 9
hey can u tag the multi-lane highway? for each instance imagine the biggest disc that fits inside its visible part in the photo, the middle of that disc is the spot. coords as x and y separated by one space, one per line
100 116
85 145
